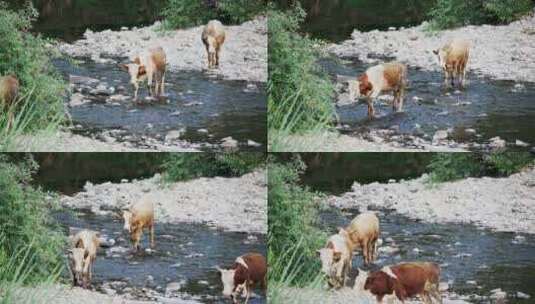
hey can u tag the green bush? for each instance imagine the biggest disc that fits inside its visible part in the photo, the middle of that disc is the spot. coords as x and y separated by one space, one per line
27 56
300 93
187 13
292 214
185 166
455 13
453 166
25 222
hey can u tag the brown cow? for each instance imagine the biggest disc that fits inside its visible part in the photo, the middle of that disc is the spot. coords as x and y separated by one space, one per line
406 280
9 91
149 65
453 58
363 233
140 216
248 270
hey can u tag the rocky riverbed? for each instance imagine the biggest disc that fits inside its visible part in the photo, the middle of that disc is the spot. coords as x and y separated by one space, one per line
234 204
501 204
501 52
243 56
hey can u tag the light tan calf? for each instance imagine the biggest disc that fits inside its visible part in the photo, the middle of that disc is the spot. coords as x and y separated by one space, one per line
335 260
82 256
363 232
139 217
213 37
453 58
149 65
9 91
381 78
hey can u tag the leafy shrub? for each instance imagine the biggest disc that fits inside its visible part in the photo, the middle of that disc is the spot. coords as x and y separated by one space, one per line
300 93
453 166
455 13
184 166
27 56
25 222
292 213
186 13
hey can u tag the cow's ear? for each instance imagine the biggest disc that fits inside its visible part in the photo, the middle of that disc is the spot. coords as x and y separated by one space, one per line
219 269
337 256
141 70
435 52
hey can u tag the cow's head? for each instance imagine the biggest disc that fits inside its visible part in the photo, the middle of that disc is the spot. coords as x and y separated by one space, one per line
136 71
77 260
229 285
331 264
441 57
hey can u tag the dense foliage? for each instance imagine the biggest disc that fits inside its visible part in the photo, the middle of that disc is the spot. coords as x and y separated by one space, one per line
186 13
185 166
455 13
300 93
292 229
29 241
453 166
27 57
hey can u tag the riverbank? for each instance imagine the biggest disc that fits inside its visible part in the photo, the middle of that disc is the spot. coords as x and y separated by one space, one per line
234 204
243 56
501 204
501 52
65 141
372 141
62 294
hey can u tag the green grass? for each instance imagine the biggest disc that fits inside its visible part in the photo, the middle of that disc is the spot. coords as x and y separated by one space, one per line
188 13
25 220
186 166
292 215
300 94
455 13
454 166
40 105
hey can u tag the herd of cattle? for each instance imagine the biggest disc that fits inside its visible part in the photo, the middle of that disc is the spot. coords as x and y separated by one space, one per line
249 270
149 65
401 281
392 76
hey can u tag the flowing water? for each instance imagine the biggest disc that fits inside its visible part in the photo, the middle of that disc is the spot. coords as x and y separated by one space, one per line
185 253
206 108
491 107
465 253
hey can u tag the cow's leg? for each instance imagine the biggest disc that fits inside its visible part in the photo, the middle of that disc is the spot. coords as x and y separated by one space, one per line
217 56
400 100
395 102
371 111
162 86
365 252
136 88
248 290
152 235
149 84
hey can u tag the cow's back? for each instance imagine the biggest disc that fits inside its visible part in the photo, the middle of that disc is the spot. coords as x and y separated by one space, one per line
394 74
9 89
457 53
365 224
143 210
413 276
158 58
257 266
215 29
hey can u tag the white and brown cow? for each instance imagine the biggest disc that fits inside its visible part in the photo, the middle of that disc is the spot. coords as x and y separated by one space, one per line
82 256
453 57
386 77
406 280
139 217
248 270
335 260
149 65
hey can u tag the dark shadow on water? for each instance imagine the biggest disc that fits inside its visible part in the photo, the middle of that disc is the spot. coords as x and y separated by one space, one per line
184 252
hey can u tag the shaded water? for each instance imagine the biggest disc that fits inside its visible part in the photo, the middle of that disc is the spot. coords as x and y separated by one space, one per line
491 107
185 253
196 101
335 173
335 20
465 253
69 19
